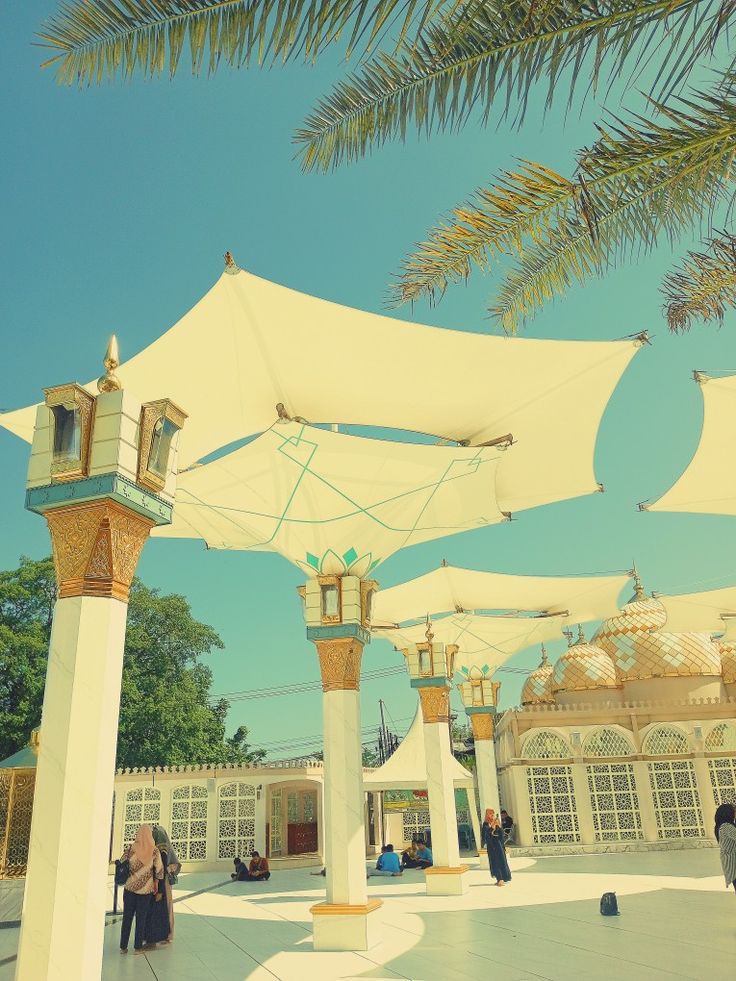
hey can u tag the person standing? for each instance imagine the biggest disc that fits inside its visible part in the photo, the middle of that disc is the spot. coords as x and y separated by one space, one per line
491 835
726 838
160 928
146 869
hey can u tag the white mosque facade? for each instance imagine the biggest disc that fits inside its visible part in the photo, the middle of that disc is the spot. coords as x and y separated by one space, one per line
628 741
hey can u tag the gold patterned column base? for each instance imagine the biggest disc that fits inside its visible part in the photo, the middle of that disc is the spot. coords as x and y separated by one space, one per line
482 726
339 663
435 704
96 548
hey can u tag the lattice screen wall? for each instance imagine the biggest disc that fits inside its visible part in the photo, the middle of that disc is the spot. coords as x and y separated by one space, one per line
142 806
415 823
276 825
607 742
614 801
16 809
552 804
189 823
721 736
676 800
723 779
236 821
546 745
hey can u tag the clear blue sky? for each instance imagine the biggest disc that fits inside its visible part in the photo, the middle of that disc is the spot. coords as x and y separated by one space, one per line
117 204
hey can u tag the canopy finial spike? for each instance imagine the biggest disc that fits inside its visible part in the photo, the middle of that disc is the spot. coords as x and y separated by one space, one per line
231 265
569 634
109 382
428 633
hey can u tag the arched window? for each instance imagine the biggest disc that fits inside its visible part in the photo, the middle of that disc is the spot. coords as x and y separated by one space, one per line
236 820
607 742
665 741
721 736
546 745
142 806
189 823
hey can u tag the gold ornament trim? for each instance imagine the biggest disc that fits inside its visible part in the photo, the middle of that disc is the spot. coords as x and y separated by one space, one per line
345 909
339 663
96 548
435 704
482 726
447 870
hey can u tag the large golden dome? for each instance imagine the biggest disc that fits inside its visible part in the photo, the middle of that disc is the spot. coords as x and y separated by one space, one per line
642 615
583 667
662 655
537 690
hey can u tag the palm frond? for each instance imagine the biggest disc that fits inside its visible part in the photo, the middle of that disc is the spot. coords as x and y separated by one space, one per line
465 60
704 288
641 179
92 40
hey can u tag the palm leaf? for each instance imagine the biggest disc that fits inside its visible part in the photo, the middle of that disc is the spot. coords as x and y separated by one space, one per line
704 287
92 40
467 59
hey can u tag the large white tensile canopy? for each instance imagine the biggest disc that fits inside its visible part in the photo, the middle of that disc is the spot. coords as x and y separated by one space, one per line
707 485
702 612
448 589
250 345
485 642
406 768
333 503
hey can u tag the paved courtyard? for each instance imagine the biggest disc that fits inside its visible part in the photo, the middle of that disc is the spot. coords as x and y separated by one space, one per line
677 921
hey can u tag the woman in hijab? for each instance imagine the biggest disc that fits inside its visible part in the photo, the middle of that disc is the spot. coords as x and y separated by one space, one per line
160 927
146 868
726 838
491 835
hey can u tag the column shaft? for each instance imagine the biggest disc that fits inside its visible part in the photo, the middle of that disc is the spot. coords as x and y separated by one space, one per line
485 764
441 792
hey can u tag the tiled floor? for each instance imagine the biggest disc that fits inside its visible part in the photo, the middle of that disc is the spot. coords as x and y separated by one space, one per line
677 921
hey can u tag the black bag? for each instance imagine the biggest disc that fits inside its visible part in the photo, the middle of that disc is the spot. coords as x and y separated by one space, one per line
122 871
609 904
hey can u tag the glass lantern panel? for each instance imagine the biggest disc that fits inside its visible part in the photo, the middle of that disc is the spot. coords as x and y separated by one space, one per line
330 601
368 605
158 459
477 695
425 662
67 433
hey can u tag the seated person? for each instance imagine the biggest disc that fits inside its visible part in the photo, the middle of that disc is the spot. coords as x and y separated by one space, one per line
258 868
409 856
507 823
241 872
424 856
388 862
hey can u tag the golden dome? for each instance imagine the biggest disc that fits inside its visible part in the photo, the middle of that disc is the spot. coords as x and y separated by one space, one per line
662 655
727 652
583 667
537 690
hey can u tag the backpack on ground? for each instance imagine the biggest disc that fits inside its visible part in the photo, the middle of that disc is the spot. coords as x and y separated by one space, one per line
609 904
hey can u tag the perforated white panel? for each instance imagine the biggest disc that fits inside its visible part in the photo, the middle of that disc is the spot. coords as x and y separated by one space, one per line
723 779
676 800
614 801
189 823
552 804
142 806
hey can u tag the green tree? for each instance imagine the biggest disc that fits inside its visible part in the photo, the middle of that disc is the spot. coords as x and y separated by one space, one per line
167 716
646 177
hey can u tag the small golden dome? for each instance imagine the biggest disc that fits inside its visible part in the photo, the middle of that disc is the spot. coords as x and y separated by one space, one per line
584 667
537 689
727 652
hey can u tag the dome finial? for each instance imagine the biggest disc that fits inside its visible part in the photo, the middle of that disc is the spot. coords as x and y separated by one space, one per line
581 635
639 593
569 634
109 382
545 659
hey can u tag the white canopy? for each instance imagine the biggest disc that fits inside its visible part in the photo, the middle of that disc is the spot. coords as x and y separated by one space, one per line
334 503
699 612
707 486
448 588
250 344
486 642
406 769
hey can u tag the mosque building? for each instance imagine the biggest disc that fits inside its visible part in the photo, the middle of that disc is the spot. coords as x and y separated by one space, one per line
629 739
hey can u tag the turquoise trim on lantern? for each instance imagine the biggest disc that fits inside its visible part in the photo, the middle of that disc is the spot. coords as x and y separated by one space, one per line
480 710
107 485
429 682
337 630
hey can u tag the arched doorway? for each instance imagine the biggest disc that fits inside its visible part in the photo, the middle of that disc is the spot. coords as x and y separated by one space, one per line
294 819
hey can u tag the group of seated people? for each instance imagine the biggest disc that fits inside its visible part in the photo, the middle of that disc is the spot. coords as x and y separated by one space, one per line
256 871
416 856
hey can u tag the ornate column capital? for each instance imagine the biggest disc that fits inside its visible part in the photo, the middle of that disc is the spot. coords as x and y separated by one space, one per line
435 702
96 547
339 663
482 725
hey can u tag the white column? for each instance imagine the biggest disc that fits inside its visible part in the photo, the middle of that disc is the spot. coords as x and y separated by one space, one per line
583 806
708 802
521 813
485 764
261 820
65 898
647 813
474 822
